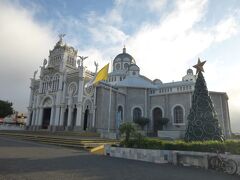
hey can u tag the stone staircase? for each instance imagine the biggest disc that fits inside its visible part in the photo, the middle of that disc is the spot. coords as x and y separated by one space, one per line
79 140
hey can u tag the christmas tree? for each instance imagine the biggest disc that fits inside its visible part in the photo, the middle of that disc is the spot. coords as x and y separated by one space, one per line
202 120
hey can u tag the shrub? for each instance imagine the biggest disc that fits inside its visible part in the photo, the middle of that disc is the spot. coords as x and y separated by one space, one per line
160 122
200 146
142 121
128 129
232 146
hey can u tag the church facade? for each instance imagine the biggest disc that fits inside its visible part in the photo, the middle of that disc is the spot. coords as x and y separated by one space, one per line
63 99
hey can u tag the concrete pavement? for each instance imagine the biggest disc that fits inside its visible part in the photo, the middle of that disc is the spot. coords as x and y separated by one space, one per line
24 160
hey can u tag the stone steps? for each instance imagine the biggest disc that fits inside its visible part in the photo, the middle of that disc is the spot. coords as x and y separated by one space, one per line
68 141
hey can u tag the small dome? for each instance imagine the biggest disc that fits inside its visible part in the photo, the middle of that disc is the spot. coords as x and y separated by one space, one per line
190 71
125 57
133 67
157 81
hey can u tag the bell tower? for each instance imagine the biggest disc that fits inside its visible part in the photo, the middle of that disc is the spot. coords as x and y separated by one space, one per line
62 56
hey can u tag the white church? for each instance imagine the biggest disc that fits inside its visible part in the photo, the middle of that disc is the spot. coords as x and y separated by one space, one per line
61 100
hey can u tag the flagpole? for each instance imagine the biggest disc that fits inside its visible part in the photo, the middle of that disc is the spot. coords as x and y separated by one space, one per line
109 109
110 102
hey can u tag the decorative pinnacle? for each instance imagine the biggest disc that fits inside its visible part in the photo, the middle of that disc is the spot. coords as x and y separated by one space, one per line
82 58
124 49
199 66
61 37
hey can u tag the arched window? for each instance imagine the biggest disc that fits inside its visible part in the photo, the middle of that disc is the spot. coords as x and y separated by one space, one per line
157 115
45 84
178 115
137 113
120 113
55 82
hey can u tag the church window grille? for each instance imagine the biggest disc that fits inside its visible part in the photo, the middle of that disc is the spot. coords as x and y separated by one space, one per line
126 66
137 113
120 113
55 83
178 115
45 85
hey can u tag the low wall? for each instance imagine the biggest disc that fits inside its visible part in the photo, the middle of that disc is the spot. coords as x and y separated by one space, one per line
171 134
185 158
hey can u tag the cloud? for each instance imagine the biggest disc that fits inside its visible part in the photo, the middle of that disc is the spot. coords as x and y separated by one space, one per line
156 5
168 48
172 42
23 46
164 41
226 28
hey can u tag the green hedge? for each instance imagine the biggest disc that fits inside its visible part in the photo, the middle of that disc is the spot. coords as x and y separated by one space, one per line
231 146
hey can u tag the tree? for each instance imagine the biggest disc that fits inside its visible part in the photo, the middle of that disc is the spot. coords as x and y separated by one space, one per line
128 129
202 119
5 108
160 122
142 121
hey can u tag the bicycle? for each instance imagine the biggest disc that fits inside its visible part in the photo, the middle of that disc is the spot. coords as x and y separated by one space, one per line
221 163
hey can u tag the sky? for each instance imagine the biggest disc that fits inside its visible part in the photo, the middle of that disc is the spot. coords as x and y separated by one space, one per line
165 37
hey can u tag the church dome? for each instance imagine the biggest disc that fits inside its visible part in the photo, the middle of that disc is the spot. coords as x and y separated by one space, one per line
124 57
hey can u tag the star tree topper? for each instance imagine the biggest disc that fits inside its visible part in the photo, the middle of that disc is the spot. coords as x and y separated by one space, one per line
199 66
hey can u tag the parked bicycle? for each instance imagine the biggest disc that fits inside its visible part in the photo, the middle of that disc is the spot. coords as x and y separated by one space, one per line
220 163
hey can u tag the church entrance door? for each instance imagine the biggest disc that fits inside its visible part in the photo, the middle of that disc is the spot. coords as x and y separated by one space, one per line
85 119
157 115
46 118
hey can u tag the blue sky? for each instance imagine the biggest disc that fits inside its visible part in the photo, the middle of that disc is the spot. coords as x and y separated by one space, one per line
164 36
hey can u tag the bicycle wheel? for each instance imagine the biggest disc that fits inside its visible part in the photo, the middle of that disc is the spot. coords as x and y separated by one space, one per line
230 166
213 162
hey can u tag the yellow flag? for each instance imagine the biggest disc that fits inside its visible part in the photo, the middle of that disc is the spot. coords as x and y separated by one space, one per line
102 74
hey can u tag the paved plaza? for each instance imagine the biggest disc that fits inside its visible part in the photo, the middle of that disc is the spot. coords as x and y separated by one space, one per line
25 160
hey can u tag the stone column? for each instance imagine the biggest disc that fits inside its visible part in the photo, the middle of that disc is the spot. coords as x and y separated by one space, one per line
51 118
37 118
63 86
37 105
33 118
40 118
57 117
58 100
30 106
80 98
69 123
62 118
70 112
